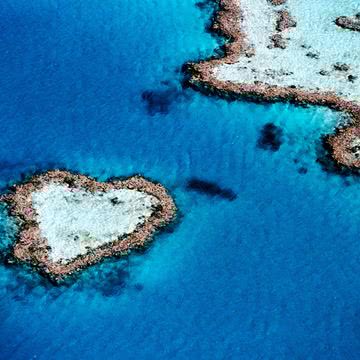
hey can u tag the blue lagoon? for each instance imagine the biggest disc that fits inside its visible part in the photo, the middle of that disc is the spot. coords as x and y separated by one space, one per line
263 260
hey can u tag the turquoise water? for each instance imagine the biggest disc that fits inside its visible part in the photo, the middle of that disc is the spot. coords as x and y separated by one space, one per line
95 86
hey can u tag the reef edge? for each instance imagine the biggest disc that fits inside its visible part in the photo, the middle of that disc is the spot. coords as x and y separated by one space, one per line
31 248
227 23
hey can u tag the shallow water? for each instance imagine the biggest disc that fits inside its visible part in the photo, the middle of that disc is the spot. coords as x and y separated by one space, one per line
95 86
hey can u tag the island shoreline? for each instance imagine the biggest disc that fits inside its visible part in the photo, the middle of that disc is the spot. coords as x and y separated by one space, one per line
32 249
227 23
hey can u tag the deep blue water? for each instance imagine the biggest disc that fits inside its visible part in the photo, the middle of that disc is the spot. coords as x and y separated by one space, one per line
95 86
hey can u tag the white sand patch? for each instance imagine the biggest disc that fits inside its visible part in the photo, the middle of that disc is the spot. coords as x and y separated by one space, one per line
315 32
75 220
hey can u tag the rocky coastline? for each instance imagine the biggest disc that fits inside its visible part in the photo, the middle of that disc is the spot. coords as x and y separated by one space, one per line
345 146
33 248
228 22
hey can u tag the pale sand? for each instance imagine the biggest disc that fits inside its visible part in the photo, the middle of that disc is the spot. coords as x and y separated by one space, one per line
315 32
74 220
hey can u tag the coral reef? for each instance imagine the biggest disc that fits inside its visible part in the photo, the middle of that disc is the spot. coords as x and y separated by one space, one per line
243 74
68 222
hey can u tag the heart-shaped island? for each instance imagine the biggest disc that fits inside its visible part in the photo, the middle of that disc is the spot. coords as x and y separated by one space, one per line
68 221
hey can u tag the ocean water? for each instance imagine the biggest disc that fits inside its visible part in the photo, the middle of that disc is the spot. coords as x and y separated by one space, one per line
96 86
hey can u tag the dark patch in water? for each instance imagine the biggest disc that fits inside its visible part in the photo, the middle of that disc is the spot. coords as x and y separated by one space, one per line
270 137
139 287
159 101
114 283
211 189
109 278
203 5
302 170
23 282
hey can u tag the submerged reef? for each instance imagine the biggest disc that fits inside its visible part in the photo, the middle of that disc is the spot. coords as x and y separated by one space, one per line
68 222
270 138
210 188
264 62
159 101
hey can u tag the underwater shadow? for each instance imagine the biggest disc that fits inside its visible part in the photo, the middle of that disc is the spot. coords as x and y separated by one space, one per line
160 100
210 189
108 279
271 137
